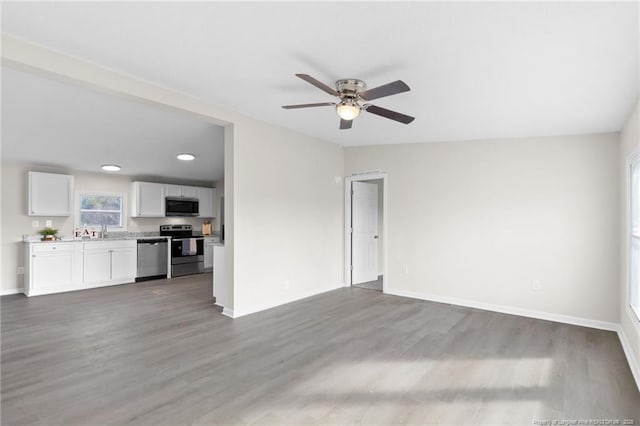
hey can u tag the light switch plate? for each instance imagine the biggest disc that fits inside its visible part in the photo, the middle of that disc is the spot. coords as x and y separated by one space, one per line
35 223
48 223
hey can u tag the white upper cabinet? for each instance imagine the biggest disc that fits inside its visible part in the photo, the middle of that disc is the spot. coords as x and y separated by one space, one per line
180 191
147 199
50 194
173 191
206 202
190 191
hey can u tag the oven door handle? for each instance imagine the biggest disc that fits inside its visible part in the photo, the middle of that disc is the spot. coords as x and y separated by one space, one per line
186 239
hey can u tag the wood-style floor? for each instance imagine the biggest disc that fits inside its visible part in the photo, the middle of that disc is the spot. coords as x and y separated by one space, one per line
160 353
371 285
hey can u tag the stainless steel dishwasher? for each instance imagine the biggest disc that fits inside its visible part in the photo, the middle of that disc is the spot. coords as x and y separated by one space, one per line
152 259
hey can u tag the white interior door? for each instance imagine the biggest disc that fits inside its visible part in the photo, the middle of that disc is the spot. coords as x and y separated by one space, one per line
364 238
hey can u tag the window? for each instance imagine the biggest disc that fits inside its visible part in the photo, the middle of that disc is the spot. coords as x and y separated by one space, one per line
98 209
634 236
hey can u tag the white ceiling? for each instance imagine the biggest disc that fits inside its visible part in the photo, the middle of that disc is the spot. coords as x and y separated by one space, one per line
476 70
57 124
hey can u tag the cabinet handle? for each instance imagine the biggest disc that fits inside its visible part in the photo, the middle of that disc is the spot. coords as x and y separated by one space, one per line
33 255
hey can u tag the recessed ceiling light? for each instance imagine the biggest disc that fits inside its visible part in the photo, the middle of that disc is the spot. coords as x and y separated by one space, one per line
111 167
185 157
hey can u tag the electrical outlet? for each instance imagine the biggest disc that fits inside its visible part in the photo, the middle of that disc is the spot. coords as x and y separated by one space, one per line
536 284
35 223
405 269
20 270
48 223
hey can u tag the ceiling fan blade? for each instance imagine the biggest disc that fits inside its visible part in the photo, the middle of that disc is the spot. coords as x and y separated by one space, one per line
318 84
307 105
389 89
387 113
345 124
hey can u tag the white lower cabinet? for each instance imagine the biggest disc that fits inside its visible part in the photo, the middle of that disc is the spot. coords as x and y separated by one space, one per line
124 263
76 265
109 262
51 268
208 253
96 266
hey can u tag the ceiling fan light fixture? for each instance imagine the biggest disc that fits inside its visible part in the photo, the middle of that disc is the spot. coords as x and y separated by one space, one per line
351 91
348 110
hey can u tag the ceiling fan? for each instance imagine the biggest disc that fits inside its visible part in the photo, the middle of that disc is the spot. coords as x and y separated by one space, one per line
352 94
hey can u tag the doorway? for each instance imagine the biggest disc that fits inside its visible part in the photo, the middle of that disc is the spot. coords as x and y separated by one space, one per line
366 231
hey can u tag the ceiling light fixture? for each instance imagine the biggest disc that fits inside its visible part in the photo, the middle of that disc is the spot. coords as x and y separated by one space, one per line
185 157
110 167
348 109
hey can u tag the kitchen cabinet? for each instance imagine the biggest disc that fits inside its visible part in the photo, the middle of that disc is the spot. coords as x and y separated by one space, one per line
109 262
49 194
96 265
147 199
207 199
208 254
77 265
51 268
218 274
124 263
181 191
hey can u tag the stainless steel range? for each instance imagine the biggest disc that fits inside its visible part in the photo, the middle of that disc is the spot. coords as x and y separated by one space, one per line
187 251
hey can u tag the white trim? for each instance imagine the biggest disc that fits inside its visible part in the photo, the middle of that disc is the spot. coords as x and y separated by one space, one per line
567 319
227 312
8 291
631 359
257 308
632 158
123 207
347 225
83 286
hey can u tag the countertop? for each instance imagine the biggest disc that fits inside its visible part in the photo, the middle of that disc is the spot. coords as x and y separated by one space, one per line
124 237
116 238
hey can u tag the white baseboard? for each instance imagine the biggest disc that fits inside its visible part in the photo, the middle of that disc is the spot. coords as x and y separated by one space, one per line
227 312
258 308
8 291
631 359
567 319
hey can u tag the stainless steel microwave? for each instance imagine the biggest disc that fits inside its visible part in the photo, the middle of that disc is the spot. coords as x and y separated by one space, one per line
182 206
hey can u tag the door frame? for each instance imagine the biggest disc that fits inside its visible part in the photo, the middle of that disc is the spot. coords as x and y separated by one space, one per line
347 225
